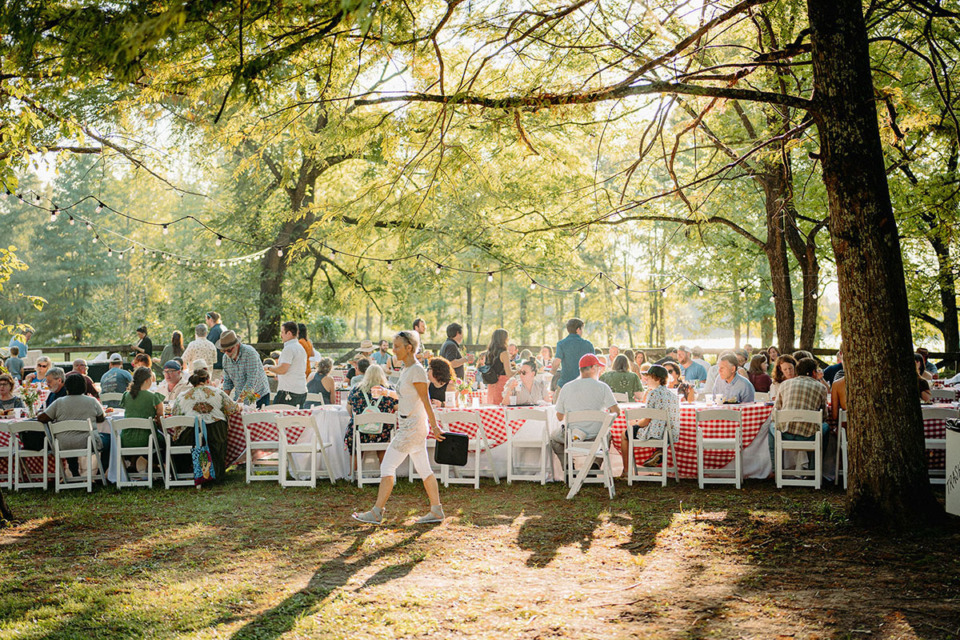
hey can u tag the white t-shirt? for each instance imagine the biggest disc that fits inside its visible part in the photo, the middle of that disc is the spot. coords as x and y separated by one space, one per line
295 379
410 404
585 394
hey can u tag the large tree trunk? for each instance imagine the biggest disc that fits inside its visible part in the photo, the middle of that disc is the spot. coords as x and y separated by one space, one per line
469 314
888 480
947 284
776 192
272 270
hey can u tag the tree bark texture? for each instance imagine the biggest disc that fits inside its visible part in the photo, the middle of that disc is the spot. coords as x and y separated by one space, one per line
888 480
5 514
775 192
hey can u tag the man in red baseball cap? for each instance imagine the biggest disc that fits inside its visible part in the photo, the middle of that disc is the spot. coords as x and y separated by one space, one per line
586 393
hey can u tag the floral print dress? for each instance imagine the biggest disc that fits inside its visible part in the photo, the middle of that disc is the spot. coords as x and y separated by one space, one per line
358 404
665 399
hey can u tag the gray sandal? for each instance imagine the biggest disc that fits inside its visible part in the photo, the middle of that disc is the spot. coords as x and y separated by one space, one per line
374 516
436 515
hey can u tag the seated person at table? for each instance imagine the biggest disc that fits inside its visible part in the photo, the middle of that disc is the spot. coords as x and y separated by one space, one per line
321 381
8 401
923 385
732 387
55 379
272 381
526 388
757 374
78 406
360 398
142 360
173 383
140 402
115 379
546 357
693 371
658 397
622 380
213 406
37 377
362 365
675 381
801 393
585 393
838 397
439 373
14 364
784 369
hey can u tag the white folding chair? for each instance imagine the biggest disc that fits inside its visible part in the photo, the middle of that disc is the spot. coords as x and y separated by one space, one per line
842 448
129 479
937 476
315 398
762 397
665 444
811 447
518 444
735 444
949 395
6 453
478 445
276 408
107 398
621 397
21 475
359 448
83 453
589 450
254 466
311 447
170 476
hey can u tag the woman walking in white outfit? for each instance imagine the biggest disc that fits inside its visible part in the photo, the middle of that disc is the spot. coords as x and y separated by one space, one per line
410 438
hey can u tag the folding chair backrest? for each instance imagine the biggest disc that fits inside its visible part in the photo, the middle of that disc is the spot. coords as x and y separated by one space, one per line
172 422
799 415
526 413
463 417
110 397
760 396
274 408
719 415
642 413
259 416
939 413
606 419
287 422
26 425
372 417
70 425
842 418
315 398
621 397
144 424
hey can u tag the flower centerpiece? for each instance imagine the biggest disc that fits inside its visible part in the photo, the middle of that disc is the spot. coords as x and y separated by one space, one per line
249 397
30 394
463 389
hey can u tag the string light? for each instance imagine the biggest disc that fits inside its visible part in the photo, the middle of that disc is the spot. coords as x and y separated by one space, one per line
166 230
490 276
583 294
617 290
390 264
219 240
99 207
53 215
533 284
72 221
439 269
279 252
95 238
109 253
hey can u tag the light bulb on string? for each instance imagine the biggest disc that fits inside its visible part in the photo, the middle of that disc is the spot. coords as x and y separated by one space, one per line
490 276
95 238
533 284
89 227
390 264
439 269
53 215
72 221
219 240
120 256
165 230
700 292
583 294
279 252
20 197
109 253
99 207
617 290
38 197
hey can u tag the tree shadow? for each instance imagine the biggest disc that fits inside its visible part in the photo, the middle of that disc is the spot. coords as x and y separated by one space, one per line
329 577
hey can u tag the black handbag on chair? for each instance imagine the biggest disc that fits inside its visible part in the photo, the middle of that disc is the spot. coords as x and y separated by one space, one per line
452 449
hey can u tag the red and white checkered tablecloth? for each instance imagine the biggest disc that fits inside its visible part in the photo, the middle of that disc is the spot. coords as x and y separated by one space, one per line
936 458
754 416
237 444
494 421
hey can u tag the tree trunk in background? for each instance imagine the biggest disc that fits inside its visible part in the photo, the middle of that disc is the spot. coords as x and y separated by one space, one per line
524 329
810 273
272 270
947 285
888 468
369 323
766 331
483 304
775 191
469 318
500 302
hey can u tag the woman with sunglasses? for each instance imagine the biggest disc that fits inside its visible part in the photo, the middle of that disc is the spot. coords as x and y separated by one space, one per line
39 376
8 401
526 388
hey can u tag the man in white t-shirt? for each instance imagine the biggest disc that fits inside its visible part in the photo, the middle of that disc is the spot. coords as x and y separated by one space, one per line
586 393
291 369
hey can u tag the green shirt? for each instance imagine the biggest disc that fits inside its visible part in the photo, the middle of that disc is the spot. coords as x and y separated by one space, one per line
623 382
143 406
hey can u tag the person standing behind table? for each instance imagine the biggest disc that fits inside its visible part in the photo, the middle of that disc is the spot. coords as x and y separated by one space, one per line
21 345
420 326
14 363
78 406
621 379
730 385
214 333
527 388
174 349
200 348
306 344
213 406
115 379
242 369
500 364
143 344
450 350
569 351
140 402
658 397
291 379
80 369
382 355
757 374
586 393
322 382
800 393
410 436
693 372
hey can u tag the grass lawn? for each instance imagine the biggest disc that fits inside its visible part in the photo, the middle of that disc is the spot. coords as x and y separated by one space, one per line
255 561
